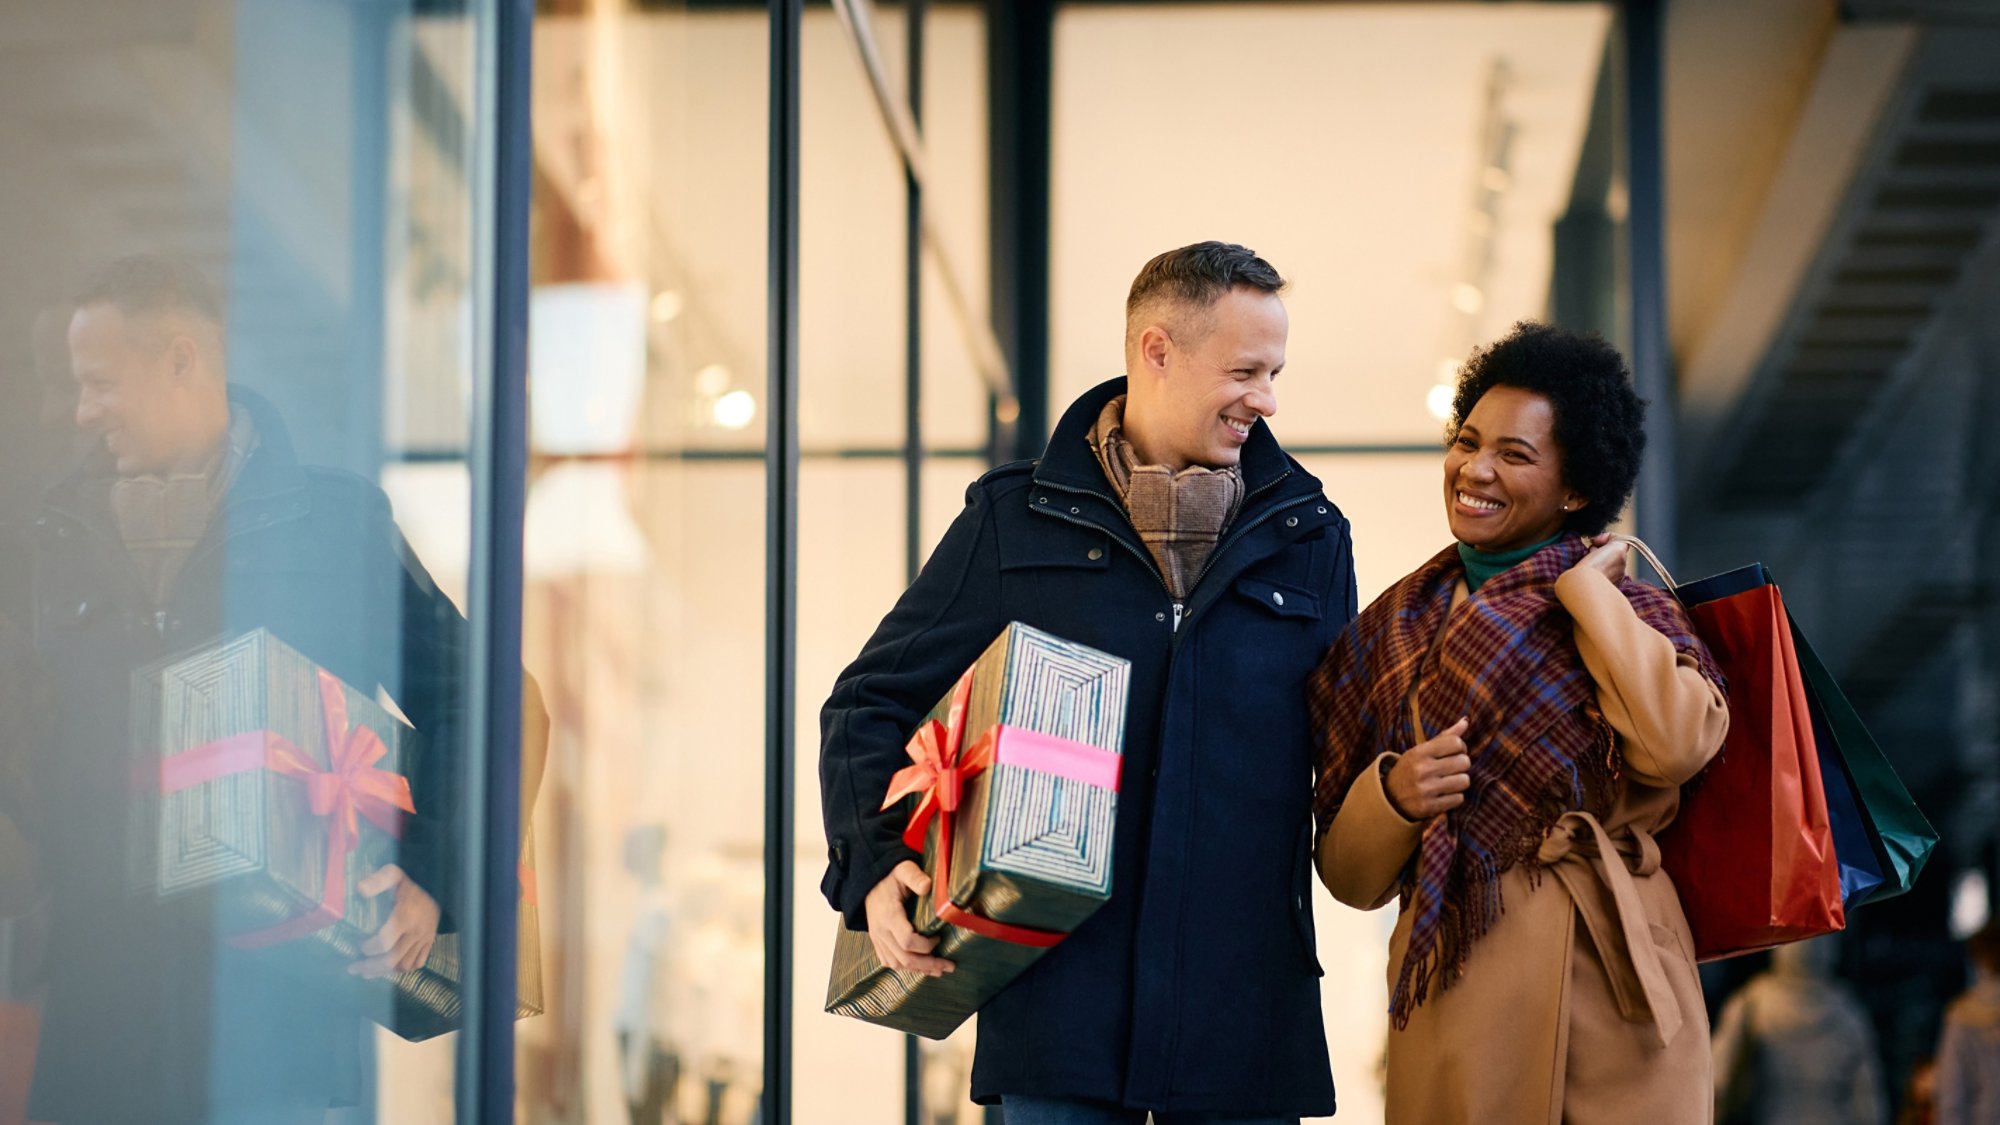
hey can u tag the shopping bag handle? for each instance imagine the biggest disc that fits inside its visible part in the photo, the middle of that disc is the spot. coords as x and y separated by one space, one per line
1639 545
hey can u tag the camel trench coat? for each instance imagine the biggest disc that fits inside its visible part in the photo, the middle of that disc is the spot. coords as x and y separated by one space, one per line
1582 1003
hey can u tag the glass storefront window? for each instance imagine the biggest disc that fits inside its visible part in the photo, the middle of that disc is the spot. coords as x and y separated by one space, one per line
318 168
240 308
644 607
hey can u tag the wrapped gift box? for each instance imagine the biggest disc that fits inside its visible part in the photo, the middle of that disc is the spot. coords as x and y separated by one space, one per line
1012 796
280 790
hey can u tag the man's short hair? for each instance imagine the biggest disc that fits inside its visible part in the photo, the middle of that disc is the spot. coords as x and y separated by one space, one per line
1193 278
149 285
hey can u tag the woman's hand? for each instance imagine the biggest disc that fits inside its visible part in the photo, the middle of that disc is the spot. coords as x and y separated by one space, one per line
1607 557
1431 777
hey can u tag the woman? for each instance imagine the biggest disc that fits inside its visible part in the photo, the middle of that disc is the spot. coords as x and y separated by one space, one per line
1505 732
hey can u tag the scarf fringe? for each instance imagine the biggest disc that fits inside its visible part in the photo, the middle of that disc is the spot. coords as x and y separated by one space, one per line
1475 904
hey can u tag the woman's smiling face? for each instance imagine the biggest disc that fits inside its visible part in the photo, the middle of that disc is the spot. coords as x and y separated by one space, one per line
1503 479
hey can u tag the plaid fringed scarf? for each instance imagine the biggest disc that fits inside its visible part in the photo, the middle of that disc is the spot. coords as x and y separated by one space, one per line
1178 515
1540 747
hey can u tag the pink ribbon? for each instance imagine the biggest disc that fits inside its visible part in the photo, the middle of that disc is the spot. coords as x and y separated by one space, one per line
352 787
943 764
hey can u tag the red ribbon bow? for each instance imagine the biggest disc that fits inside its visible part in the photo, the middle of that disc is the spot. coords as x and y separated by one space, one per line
943 765
352 787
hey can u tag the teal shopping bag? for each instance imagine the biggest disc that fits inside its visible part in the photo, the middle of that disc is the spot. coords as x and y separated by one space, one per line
1898 833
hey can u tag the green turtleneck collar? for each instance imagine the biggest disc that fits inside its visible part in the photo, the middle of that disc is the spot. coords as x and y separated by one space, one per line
1482 565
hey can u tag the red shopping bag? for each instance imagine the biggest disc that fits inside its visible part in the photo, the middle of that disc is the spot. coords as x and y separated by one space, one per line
1752 850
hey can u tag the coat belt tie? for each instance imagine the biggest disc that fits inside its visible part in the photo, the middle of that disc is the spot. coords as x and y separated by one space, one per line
1580 853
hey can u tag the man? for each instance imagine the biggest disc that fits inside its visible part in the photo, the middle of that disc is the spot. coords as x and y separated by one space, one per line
1163 524
193 519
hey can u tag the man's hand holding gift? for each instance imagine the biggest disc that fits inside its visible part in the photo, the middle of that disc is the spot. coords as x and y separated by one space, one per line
404 942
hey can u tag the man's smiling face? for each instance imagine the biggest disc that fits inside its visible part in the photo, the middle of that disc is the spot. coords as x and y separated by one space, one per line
1220 383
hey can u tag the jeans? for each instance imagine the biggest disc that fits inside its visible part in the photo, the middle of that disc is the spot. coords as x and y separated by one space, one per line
1064 1111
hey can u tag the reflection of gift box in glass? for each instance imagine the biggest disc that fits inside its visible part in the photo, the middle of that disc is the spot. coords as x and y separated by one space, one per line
281 789
1015 792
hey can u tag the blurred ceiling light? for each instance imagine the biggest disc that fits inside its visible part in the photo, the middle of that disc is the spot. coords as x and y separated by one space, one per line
1495 178
666 306
579 521
1970 909
1468 299
1008 412
587 359
1438 401
712 381
735 410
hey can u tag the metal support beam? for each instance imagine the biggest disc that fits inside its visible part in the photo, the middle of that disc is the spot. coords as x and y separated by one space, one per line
781 556
492 749
1585 287
913 414
1652 362
1020 69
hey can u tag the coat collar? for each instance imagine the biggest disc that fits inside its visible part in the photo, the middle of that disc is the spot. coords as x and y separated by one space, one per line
1069 463
272 470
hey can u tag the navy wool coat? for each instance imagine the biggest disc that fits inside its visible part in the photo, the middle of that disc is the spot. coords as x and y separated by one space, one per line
1195 988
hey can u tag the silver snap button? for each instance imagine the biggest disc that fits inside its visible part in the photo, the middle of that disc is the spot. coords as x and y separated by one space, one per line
1322 511
1094 554
1159 617
1291 521
1042 500
1074 511
1277 598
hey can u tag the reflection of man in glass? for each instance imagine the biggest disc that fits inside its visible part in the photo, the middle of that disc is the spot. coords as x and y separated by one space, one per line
193 519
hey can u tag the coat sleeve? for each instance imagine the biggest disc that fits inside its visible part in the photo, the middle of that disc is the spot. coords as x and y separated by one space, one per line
430 688
937 629
1361 857
1866 1101
1669 716
1955 1074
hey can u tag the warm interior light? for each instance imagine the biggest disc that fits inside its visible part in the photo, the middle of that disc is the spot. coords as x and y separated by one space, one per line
711 381
1438 399
735 410
1495 178
1468 299
666 306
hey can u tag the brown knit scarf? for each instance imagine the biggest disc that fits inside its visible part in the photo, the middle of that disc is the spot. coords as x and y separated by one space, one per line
162 517
1178 515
